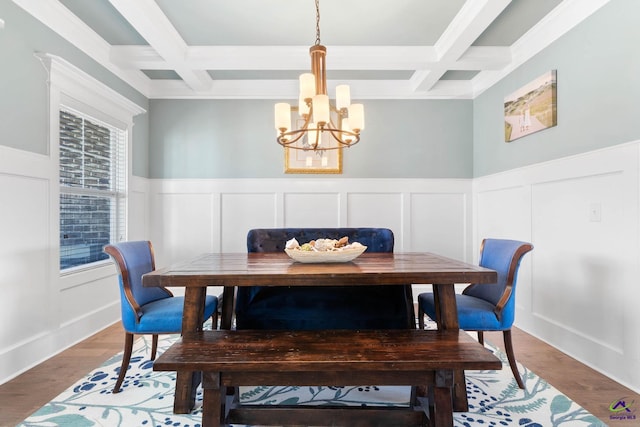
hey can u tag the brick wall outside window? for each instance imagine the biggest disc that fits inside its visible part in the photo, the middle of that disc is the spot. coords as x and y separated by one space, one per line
90 188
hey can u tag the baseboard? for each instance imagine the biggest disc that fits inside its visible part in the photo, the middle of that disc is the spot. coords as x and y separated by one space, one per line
29 353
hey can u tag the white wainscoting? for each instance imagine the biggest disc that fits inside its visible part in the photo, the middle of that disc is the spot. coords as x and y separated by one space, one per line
190 217
138 213
42 312
578 290
25 262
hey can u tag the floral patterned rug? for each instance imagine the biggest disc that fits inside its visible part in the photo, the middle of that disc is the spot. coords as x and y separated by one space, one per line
147 398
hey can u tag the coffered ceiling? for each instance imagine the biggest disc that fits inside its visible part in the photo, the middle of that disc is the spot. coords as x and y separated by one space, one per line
255 49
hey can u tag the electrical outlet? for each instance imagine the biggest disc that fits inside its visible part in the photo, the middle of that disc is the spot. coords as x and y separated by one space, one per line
595 212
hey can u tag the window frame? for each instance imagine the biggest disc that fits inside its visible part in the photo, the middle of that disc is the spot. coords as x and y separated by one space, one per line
74 89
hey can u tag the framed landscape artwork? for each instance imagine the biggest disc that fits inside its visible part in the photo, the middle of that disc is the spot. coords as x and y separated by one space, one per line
313 161
531 108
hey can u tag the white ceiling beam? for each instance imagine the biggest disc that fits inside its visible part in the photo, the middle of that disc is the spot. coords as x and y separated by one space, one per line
481 58
288 90
473 18
379 57
168 51
154 26
296 58
279 57
559 21
56 16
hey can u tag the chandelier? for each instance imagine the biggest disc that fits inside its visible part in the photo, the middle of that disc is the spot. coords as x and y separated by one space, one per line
342 122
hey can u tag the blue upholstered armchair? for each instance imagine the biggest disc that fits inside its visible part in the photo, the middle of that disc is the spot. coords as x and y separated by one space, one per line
145 310
323 307
488 307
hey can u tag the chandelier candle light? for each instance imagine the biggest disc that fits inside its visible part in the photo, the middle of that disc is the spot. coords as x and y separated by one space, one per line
315 109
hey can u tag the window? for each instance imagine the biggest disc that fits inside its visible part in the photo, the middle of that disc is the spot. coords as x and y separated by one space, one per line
90 128
92 187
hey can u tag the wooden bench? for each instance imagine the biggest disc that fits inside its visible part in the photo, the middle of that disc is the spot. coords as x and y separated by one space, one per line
426 359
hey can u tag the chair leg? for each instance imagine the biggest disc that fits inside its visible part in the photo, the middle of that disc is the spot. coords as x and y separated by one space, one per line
420 317
481 337
126 358
154 346
214 321
512 359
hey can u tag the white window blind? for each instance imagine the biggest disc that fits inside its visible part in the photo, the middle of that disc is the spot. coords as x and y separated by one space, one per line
92 159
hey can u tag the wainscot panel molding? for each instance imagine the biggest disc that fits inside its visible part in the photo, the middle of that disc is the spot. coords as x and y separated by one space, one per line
196 216
28 292
578 290
138 209
47 311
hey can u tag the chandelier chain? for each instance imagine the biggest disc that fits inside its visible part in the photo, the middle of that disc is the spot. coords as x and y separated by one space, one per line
317 22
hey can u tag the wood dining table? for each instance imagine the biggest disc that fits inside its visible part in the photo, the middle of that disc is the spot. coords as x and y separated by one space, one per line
231 270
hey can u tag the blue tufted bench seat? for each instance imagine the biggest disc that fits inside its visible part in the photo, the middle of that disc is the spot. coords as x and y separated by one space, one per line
323 307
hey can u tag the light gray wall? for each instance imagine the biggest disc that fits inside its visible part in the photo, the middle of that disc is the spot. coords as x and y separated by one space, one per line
140 149
23 85
598 88
236 139
598 72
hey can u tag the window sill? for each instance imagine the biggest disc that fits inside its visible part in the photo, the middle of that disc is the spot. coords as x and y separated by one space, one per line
78 276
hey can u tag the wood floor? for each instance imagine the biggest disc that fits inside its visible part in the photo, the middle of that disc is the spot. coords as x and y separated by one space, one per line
25 394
